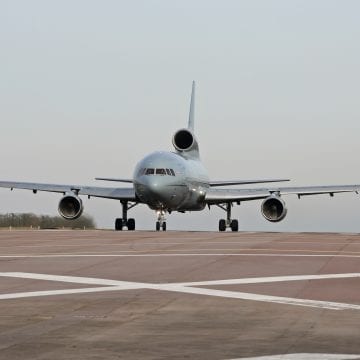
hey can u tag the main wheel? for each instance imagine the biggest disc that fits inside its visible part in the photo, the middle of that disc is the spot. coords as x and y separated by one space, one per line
118 224
222 225
234 225
164 226
158 226
131 224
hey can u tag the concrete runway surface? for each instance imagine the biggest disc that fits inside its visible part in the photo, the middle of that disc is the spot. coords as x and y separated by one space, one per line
179 295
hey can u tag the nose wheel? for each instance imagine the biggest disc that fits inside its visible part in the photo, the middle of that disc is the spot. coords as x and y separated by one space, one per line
233 224
161 222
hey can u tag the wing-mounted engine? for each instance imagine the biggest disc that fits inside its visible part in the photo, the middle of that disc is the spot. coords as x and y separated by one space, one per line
70 207
273 208
185 143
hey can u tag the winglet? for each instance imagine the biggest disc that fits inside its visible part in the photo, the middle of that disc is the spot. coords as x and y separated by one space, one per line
192 108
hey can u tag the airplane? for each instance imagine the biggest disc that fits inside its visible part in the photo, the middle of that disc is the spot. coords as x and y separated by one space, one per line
168 181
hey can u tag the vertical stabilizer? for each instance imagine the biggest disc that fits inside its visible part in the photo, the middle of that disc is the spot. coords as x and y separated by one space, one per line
192 108
184 140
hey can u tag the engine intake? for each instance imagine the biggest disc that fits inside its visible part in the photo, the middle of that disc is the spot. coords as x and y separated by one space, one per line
70 207
273 209
183 140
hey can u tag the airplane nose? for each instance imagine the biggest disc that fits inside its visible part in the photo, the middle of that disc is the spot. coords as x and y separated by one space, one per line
151 184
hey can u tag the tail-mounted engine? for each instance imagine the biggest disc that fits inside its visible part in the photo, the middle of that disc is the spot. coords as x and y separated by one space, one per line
273 208
184 141
70 207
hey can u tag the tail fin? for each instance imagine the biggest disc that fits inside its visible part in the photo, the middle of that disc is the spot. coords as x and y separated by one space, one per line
192 109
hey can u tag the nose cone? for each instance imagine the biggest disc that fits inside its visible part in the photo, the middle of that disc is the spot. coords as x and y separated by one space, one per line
151 184
153 190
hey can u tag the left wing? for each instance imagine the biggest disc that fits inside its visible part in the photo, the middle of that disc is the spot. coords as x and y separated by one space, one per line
244 182
218 196
95 191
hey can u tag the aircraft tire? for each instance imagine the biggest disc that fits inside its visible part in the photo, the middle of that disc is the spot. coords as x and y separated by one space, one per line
164 226
222 225
118 224
131 224
158 226
234 225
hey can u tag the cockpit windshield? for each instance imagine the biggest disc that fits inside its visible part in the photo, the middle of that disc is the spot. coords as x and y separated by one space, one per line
157 171
149 171
160 172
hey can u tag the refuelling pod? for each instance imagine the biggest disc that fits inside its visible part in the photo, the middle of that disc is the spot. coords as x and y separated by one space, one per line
70 207
273 209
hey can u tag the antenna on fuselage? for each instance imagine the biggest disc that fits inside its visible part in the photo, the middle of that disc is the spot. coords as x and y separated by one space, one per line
192 108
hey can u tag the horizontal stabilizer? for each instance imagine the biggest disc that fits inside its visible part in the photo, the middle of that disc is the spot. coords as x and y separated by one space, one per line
245 182
113 179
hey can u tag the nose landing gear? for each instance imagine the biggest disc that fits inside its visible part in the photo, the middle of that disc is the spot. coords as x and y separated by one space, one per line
233 224
161 222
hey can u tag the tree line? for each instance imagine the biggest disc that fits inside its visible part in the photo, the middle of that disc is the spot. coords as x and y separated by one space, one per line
29 220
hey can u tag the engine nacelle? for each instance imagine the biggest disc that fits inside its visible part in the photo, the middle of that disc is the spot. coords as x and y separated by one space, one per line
185 141
273 209
70 207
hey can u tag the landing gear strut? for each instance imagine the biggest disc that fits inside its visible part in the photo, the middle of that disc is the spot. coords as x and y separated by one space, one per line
161 222
233 224
120 223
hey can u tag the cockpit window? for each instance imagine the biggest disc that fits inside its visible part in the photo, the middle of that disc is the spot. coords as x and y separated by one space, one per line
149 171
160 172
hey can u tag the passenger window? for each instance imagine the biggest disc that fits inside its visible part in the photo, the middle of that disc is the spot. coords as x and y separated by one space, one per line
149 172
160 172
172 172
168 172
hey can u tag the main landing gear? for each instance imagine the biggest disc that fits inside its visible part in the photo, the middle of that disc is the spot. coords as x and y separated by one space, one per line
120 223
161 222
233 224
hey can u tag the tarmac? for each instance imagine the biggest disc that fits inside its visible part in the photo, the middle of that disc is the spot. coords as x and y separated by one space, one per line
179 295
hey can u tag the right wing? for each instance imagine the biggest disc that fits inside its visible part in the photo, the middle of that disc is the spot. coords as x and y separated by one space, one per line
115 179
95 191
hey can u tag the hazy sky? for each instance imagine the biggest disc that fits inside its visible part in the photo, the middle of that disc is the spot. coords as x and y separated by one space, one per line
89 87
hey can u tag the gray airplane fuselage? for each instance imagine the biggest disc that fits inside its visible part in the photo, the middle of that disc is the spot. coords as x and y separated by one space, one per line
168 181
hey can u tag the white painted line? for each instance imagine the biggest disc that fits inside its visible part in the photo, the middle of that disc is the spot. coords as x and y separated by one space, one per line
71 279
271 279
256 297
113 285
72 255
67 291
96 243
304 357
